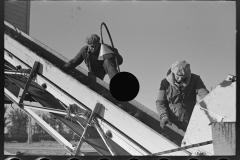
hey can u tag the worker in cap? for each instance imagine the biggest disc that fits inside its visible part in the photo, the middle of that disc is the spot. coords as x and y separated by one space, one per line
89 54
178 95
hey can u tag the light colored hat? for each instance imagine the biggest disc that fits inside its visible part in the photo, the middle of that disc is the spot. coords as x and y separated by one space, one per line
181 68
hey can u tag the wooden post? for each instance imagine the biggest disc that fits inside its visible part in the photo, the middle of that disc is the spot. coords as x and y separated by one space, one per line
30 131
224 138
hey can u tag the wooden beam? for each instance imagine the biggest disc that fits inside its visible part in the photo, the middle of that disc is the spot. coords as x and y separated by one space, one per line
35 66
42 123
139 132
151 118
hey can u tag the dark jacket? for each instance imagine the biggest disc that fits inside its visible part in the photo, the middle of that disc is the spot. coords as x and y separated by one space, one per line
91 60
178 103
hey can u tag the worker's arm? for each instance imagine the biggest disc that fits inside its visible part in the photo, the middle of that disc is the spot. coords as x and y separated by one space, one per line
161 105
78 59
162 102
201 88
119 57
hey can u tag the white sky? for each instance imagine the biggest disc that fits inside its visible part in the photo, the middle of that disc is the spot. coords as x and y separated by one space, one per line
149 35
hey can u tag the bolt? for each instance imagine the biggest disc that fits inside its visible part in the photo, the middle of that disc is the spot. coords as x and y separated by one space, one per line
184 143
44 85
108 134
19 67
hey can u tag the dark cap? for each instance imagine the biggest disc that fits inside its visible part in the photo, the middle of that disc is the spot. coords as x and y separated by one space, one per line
92 39
181 68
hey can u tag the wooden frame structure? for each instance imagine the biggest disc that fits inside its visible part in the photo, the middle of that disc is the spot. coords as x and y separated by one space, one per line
55 91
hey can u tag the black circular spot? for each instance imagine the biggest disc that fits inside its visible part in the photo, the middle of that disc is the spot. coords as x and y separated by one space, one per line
124 86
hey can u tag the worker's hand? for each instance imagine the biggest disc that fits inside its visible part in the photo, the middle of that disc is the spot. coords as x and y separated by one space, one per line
164 121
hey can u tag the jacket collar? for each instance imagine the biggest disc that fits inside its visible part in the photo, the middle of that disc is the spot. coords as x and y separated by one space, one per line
171 79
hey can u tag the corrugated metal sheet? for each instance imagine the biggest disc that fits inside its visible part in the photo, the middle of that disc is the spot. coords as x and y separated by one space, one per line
17 13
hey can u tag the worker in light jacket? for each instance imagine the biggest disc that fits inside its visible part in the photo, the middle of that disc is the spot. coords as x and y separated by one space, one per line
89 53
178 95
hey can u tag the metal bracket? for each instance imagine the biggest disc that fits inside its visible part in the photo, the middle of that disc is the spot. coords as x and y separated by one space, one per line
96 110
34 69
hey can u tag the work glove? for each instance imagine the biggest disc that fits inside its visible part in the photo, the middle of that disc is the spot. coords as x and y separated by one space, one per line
164 121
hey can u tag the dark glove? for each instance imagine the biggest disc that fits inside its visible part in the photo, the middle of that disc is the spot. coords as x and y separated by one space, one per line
164 120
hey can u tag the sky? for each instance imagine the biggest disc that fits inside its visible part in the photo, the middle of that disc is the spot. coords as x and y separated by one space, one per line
150 36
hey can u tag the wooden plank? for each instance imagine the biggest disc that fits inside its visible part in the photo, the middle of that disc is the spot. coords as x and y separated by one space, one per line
104 138
92 137
224 138
91 131
51 88
141 133
41 122
118 138
222 100
199 129
151 118
18 24
218 106
125 142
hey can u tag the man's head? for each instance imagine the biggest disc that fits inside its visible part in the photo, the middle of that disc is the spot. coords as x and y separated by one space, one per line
181 70
93 42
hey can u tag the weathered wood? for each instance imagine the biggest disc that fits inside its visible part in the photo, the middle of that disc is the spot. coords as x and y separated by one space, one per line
41 122
133 148
218 106
138 131
96 110
56 112
224 138
25 90
151 118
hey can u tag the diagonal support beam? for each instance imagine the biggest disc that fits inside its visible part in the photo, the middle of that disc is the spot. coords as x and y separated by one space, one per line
41 122
34 69
183 148
96 110
104 138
